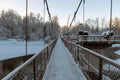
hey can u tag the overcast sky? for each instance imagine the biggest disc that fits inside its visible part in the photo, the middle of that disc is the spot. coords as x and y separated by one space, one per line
64 8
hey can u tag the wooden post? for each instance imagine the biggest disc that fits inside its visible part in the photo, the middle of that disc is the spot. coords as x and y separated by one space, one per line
71 48
114 40
77 53
47 54
44 59
34 69
41 71
100 68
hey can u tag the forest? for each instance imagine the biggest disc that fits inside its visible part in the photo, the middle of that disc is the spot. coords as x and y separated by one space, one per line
95 26
13 25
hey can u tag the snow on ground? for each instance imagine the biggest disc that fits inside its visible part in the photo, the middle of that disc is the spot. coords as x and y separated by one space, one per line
62 66
118 61
12 48
115 45
117 52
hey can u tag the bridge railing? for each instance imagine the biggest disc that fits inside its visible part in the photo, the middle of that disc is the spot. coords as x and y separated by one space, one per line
96 38
94 65
34 68
117 38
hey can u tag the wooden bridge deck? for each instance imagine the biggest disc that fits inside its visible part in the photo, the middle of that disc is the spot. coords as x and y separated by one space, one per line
62 65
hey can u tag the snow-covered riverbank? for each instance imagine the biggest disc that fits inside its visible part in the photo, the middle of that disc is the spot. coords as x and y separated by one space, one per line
12 48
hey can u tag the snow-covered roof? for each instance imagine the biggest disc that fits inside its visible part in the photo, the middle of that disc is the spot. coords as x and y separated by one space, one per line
107 32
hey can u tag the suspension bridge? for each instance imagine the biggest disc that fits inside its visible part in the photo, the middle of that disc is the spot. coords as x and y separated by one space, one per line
63 59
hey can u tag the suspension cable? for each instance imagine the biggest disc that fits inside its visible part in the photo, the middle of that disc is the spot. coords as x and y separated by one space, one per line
83 14
44 11
75 14
45 1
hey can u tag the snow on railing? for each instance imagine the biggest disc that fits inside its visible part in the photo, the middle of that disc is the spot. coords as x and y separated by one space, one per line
95 66
33 68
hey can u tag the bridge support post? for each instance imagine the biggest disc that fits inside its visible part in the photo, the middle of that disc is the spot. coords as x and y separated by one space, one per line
71 48
34 69
41 71
114 40
100 68
47 54
77 53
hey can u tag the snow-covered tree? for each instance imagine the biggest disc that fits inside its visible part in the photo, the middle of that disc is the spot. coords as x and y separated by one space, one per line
10 20
52 29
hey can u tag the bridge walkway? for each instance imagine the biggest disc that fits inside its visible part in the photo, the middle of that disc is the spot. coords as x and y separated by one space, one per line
62 65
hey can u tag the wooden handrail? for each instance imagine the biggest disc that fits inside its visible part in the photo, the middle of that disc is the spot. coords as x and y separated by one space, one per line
96 54
94 62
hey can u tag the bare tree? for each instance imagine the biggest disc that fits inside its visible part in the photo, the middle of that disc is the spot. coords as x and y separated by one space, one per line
103 23
97 29
116 23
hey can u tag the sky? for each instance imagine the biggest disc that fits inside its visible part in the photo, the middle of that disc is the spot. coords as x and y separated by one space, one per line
63 8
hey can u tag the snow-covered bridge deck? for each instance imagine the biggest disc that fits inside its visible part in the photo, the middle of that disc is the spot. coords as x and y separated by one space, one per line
62 66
